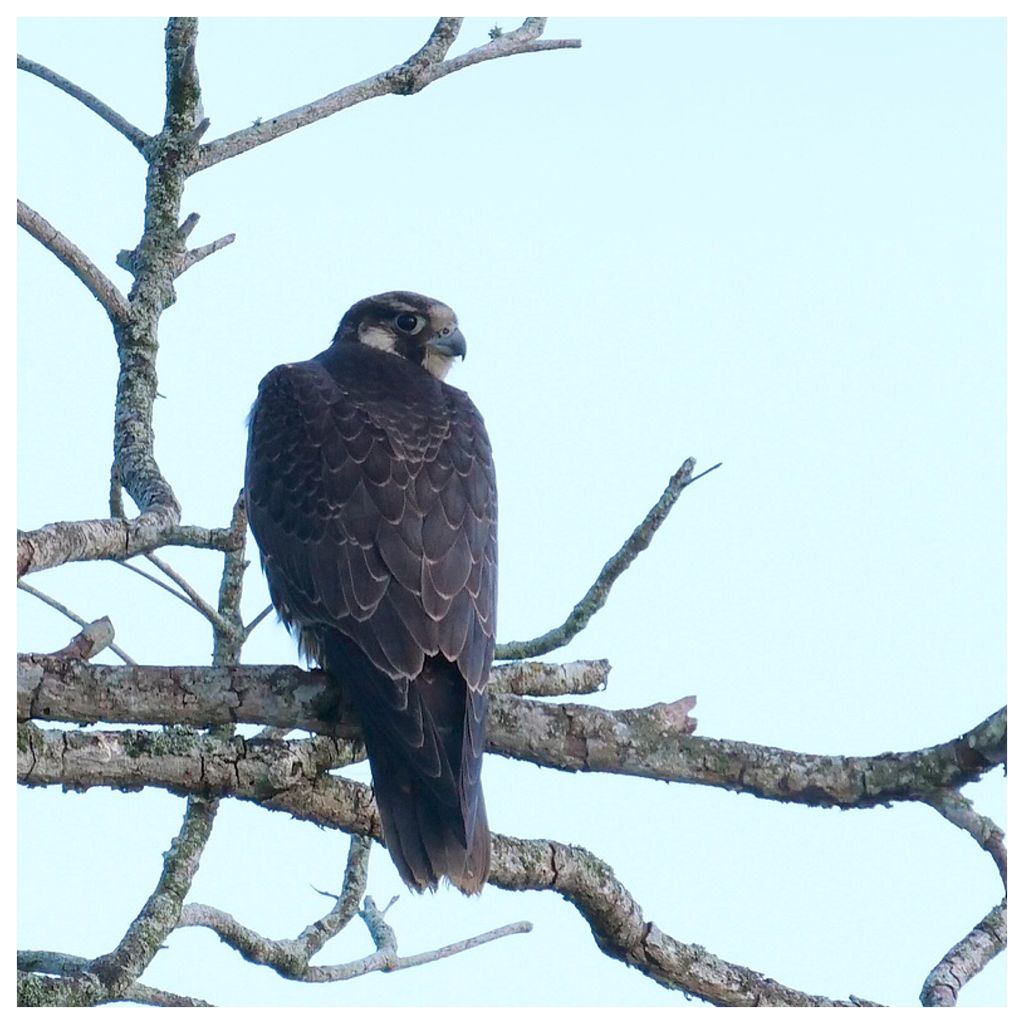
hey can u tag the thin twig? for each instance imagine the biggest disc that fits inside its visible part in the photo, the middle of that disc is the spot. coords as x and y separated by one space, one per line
289 957
157 581
596 596
193 256
524 39
259 618
958 810
387 944
196 599
102 288
346 906
138 138
68 613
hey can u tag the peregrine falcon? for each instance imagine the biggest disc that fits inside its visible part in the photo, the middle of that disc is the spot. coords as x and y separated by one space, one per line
370 489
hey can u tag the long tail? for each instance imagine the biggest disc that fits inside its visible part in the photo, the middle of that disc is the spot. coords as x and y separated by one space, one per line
426 837
424 737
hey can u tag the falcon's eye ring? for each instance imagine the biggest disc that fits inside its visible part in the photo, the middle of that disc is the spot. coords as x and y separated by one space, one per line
409 323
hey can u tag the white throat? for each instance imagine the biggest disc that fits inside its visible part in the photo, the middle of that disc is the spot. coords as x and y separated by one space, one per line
438 364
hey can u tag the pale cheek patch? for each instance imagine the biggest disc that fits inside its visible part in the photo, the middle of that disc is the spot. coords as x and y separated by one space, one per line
378 338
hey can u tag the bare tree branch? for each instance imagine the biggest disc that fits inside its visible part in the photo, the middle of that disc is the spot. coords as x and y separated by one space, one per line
622 932
229 633
156 581
108 978
192 597
647 742
94 637
60 689
115 539
966 959
138 138
193 256
290 777
596 596
290 957
100 286
65 611
958 810
123 965
387 959
87 540
426 65
525 39
35 961
257 620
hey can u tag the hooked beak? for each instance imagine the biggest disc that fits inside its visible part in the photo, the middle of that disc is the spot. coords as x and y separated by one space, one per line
449 343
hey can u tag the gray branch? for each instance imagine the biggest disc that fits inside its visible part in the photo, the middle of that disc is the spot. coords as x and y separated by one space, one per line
651 742
93 638
959 811
68 613
138 138
123 965
34 962
89 540
289 957
61 689
596 596
426 65
289 777
100 286
193 256
109 978
966 959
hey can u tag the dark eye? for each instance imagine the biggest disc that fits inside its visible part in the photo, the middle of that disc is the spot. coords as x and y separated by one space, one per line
408 323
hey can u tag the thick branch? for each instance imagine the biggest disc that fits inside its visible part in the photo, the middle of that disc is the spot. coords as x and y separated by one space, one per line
87 540
94 539
278 776
61 689
423 67
36 961
100 286
595 597
622 932
138 138
650 742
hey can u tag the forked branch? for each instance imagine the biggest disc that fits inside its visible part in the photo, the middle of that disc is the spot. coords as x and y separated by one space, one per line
426 65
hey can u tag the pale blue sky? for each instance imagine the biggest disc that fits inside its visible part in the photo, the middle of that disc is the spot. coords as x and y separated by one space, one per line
778 244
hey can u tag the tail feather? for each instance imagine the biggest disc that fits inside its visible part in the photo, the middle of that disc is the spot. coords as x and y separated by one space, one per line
424 739
427 840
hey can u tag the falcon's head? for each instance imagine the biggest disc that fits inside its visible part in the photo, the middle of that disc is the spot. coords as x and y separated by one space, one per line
408 325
